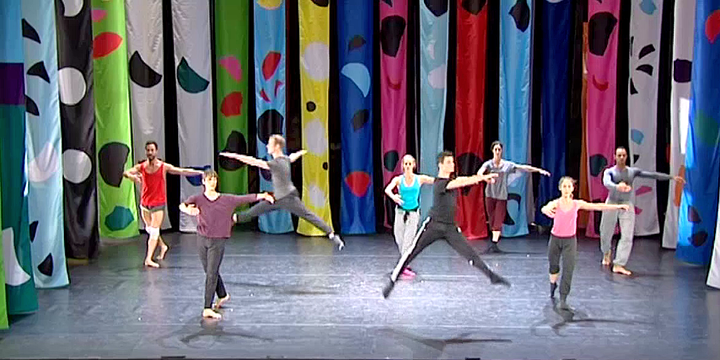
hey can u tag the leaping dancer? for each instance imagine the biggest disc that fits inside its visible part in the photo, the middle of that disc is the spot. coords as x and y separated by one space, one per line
150 174
285 193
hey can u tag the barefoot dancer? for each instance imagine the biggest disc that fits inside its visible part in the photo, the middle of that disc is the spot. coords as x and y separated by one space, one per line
407 211
214 212
618 180
496 194
441 222
285 193
563 240
151 175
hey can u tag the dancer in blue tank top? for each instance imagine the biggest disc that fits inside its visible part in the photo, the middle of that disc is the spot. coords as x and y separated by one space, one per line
407 212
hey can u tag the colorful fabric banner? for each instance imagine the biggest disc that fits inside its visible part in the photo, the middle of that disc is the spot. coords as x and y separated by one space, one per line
269 31
434 23
44 168
645 32
231 54
679 113
77 124
145 51
314 17
191 33
601 102
118 211
19 282
699 205
514 128
393 92
557 21
470 113
3 301
714 273
355 55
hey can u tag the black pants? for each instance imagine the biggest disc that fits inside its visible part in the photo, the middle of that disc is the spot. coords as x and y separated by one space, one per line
211 252
291 203
565 248
431 231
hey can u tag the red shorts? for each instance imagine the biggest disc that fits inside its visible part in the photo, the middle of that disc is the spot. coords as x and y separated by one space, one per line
496 211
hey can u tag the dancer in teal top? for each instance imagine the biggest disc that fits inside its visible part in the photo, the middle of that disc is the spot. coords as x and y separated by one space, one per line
407 212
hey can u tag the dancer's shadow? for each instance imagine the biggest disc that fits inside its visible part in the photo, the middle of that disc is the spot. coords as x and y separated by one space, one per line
434 348
211 330
286 289
573 316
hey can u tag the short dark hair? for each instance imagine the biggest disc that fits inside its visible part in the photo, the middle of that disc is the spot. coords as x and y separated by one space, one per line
498 143
441 157
621 148
151 142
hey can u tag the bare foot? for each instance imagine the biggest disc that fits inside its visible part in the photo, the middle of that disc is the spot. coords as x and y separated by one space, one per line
607 258
151 263
219 303
621 270
163 249
209 313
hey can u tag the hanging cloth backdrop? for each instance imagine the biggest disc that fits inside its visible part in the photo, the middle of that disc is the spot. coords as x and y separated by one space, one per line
679 113
393 92
77 124
434 23
231 54
714 274
470 112
699 205
145 50
20 286
515 49
44 168
269 30
602 82
556 32
355 55
118 209
645 26
314 82
191 33
3 301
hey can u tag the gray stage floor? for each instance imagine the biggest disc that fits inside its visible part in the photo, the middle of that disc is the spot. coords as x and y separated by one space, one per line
297 297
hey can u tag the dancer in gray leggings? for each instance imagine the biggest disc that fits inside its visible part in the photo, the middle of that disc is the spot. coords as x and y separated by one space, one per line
563 240
214 213
407 212
285 193
618 180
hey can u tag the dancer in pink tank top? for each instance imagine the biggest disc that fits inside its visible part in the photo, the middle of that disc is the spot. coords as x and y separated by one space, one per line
563 242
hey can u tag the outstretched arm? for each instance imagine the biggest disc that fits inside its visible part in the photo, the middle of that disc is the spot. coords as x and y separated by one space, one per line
389 190
584 205
425 180
181 171
133 173
247 159
463 181
658 176
528 168
296 155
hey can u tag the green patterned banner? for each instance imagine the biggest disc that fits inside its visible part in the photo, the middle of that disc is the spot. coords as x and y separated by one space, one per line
3 305
231 54
118 213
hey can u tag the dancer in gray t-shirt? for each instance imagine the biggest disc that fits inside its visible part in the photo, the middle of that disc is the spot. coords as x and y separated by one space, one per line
496 194
285 194
618 180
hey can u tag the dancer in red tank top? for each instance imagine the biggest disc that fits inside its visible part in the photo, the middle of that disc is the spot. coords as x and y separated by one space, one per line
153 200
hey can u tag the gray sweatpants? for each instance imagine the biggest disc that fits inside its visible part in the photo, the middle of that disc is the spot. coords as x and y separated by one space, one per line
404 228
211 253
565 248
291 203
627 228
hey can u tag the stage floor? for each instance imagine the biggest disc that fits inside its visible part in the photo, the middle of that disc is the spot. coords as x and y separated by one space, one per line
298 297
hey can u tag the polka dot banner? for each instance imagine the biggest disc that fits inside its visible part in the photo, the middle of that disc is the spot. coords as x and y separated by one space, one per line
45 198
19 280
314 20
75 71
699 203
145 53
113 129
355 56
679 113
601 100
231 56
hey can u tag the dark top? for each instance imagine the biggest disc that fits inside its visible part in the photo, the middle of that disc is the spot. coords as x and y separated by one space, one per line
215 218
281 180
443 208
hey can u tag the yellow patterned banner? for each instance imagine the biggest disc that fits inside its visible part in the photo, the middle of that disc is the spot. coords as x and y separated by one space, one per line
314 81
